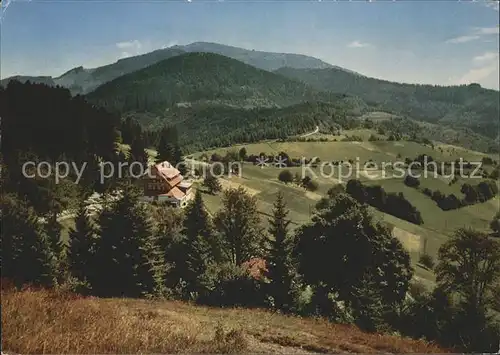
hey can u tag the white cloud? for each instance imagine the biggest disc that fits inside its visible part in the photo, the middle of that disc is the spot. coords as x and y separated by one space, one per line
477 75
475 34
486 57
358 44
169 44
130 44
132 48
137 47
462 39
484 71
487 30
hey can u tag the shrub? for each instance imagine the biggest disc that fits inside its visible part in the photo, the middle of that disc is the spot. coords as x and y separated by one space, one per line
230 285
285 176
411 181
312 186
309 184
427 261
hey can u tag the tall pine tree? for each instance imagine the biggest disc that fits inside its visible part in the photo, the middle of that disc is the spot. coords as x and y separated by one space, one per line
138 154
27 256
81 247
199 242
279 264
128 253
166 146
53 230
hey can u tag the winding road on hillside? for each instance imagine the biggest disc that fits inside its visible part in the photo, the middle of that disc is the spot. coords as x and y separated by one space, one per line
310 133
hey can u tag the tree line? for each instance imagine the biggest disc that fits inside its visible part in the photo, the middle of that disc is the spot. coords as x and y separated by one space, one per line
392 203
351 265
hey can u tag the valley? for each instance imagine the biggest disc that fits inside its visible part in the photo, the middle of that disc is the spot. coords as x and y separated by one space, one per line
281 184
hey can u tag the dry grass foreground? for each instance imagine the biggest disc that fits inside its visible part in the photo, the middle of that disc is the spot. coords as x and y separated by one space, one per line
42 322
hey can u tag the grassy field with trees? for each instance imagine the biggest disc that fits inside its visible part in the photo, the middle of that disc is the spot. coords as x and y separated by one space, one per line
363 253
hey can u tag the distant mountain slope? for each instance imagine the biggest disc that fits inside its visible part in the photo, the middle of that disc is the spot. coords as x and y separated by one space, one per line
264 60
81 80
468 105
203 78
47 80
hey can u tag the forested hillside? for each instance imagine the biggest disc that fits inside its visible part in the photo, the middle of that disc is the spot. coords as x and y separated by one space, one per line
222 126
203 78
46 124
467 105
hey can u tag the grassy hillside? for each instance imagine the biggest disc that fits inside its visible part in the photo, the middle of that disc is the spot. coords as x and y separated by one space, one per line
467 105
438 224
44 322
455 135
206 78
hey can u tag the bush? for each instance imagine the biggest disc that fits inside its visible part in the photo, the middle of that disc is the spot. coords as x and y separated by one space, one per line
427 261
309 184
285 176
411 181
450 202
230 285
312 186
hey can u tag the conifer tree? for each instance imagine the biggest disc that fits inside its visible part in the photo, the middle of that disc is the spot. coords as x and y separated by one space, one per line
279 265
128 253
212 184
27 257
138 153
239 223
178 161
199 241
166 148
81 247
53 230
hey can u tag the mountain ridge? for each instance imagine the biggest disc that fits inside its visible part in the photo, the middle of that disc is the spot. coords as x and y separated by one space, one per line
469 106
201 77
82 80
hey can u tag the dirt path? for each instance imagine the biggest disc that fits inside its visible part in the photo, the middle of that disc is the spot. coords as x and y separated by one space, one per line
310 133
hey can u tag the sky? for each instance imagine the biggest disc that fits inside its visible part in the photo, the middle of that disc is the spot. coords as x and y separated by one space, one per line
433 42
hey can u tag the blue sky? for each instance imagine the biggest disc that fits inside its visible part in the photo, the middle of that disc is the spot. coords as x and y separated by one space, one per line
436 42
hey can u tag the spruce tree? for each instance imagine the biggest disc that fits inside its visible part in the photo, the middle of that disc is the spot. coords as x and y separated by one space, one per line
279 265
128 253
27 257
178 161
199 242
138 154
212 184
239 223
165 148
81 247
53 230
